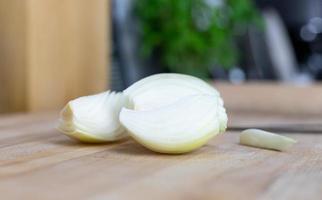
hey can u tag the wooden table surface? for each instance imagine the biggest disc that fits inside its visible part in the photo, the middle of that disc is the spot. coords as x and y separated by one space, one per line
36 162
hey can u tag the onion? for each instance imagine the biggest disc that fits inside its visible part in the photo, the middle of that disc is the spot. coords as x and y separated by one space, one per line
168 113
93 118
163 89
264 139
180 127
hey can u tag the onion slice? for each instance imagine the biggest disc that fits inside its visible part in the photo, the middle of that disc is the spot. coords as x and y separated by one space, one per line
264 139
93 118
180 127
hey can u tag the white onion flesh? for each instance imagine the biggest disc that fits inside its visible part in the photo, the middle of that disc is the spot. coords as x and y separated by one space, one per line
163 89
179 127
267 140
94 118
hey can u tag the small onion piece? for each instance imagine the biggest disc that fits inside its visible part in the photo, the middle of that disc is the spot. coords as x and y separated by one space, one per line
93 118
267 140
180 127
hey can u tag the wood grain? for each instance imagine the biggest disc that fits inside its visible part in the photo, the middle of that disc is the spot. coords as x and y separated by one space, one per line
52 51
276 123
36 162
67 52
13 58
268 97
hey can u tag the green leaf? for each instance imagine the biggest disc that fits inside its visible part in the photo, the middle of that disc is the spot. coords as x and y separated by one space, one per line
172 27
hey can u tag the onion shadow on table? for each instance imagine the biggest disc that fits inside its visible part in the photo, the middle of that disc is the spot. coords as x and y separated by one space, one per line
133 148
67 141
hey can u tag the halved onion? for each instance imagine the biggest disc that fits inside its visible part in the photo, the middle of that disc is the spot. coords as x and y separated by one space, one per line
179 127
93 118
163 89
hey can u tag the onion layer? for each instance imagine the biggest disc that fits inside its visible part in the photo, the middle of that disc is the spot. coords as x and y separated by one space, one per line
93 118
180 127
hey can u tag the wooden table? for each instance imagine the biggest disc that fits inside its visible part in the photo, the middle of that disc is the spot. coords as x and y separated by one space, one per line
36 162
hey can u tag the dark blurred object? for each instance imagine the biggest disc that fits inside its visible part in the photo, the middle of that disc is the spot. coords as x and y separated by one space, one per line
127 65
270 53
303 20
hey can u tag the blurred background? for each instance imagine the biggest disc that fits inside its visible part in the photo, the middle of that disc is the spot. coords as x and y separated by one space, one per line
53 51
218 39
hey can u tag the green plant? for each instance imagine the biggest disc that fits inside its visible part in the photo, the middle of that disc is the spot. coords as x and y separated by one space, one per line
190 36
